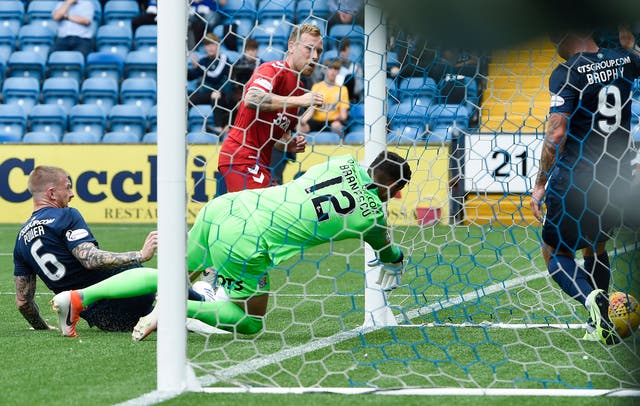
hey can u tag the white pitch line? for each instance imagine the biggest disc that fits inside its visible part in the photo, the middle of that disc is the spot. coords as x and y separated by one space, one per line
254 365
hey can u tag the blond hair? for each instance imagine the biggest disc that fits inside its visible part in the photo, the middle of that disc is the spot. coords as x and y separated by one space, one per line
306 28
43 176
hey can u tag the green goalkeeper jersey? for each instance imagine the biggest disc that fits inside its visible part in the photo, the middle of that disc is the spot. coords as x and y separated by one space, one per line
258 228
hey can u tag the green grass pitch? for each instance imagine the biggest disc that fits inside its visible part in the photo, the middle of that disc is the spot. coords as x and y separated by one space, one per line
319 295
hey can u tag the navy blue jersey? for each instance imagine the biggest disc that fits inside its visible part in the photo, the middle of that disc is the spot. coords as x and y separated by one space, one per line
594 90
43 247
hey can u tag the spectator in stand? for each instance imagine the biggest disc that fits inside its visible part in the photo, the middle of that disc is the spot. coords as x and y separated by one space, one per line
213 70
334 113
269 113
349 73
240 74
148 14
203 16
75 26
345 12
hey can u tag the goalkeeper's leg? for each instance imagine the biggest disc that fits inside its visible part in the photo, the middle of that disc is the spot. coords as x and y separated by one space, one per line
225 315
130 283
222 314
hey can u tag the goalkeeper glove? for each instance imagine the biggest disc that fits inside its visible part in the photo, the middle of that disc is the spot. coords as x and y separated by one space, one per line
390 275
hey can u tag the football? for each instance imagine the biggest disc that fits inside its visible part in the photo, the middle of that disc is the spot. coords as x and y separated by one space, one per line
624 313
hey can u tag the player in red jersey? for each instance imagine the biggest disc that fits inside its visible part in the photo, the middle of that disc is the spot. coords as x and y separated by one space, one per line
269 112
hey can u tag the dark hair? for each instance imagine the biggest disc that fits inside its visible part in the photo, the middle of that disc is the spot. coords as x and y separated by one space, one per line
344 44
392 167
251 43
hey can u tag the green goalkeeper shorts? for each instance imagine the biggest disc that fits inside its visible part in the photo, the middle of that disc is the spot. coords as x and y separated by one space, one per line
227 239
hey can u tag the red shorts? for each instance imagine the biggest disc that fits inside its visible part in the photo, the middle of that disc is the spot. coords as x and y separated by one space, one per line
241 177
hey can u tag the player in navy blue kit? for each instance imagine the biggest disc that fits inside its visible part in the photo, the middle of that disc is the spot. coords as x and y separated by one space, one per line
56 244
585 169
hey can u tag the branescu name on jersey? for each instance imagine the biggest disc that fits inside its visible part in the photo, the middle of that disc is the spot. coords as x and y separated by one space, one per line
366 203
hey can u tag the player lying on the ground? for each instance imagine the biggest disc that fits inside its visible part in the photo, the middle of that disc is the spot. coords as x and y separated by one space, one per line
56 244
244 234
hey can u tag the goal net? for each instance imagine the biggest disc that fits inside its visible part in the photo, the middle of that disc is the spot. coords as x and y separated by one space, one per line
476 308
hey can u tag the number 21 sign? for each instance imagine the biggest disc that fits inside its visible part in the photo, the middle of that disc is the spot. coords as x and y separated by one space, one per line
503 163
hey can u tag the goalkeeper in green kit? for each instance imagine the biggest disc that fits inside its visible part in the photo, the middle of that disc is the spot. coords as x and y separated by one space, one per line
239 237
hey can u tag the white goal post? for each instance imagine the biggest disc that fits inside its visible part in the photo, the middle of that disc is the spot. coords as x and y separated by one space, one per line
173 373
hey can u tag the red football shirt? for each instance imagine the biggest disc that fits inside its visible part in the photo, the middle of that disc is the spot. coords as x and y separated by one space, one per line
251 138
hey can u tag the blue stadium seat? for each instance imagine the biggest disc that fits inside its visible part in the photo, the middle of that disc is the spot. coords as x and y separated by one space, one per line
7 42
39 11
408 113
328 56
354 32
120 12
392 89
315 8
199 116
274 35
3 69
635 134
356 113
146 38
12 14
268 54
141 64
635 111
26 64
420 90
10 137
87 118
120 137
127 118
61 91
152 118
278 10
150 138
48 118
100 91
138 91
444 118
323 137
458 90
199 137
406 134
81 137
67 64
36 38
239 9
40 137
105 65
21 91
114 39
355 137
13 122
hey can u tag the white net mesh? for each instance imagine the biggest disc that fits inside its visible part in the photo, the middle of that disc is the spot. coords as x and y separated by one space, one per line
477 307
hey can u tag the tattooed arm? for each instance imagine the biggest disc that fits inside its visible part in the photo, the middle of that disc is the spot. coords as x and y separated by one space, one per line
551 148
257 99
92 257
25 294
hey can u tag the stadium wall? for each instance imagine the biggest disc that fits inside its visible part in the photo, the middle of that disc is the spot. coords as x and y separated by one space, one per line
121 184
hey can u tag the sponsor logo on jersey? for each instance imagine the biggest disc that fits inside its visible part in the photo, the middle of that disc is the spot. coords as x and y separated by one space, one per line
34 223
263 84
282 121
75 235
556 100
